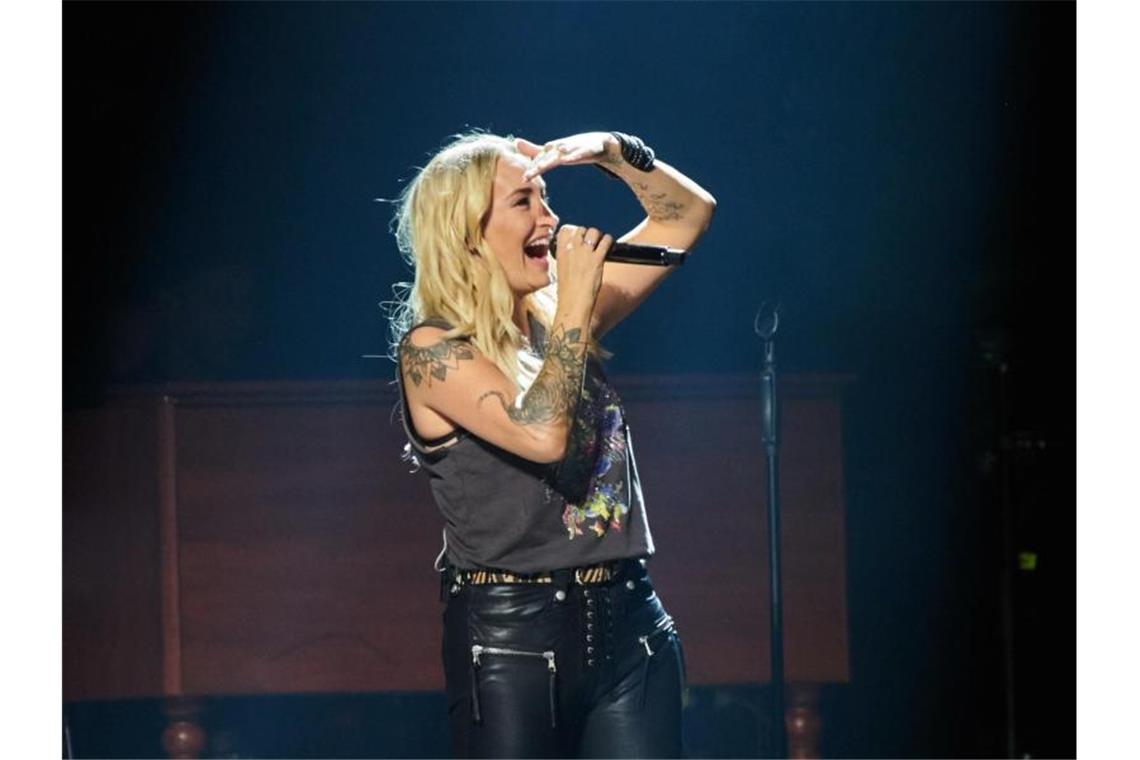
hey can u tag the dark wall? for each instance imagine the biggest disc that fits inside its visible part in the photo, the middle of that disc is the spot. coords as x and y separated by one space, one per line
900 176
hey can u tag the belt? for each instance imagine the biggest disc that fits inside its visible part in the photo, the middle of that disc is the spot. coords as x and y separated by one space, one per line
590 575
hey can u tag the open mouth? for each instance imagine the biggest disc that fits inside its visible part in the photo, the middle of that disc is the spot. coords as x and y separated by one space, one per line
537 250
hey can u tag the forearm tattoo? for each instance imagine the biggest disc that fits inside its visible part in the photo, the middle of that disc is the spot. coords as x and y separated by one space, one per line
554 393
660 206
433 362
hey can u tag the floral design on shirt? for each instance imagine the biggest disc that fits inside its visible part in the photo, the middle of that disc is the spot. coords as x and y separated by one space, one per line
594 469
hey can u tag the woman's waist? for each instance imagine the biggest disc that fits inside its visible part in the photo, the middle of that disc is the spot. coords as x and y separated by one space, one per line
593 574
619 616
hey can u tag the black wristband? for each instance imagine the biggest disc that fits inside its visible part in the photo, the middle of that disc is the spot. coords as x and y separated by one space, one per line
635 152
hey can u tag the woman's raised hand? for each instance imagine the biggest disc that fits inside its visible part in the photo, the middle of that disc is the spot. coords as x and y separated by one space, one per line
584 148
581 253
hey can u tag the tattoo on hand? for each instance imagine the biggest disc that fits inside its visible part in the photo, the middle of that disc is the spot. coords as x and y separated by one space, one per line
554 393
433 361
659 206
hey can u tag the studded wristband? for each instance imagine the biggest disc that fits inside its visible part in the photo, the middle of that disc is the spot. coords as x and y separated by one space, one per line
635 152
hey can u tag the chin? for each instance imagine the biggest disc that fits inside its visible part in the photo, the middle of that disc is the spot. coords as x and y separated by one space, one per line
537 281
535 288
529 287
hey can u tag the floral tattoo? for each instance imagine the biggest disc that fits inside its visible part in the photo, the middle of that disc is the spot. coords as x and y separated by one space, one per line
553 395
659 206
433 362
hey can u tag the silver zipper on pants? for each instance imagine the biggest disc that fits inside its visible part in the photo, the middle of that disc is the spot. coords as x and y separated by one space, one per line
669 628
477 652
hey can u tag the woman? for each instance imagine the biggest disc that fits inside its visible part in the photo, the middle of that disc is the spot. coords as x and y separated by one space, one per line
555 644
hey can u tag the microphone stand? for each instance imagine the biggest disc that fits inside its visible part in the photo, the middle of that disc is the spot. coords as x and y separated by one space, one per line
765 325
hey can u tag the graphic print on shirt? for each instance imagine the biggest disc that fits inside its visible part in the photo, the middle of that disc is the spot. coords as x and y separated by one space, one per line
596 459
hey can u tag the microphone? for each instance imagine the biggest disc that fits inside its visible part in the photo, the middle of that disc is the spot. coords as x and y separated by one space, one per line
635 253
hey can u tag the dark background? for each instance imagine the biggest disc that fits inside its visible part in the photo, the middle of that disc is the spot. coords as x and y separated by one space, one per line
900 176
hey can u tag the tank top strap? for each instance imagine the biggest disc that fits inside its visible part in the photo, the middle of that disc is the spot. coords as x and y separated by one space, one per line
432 322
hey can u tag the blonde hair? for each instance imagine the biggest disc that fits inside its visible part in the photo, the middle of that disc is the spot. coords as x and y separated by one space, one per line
439 221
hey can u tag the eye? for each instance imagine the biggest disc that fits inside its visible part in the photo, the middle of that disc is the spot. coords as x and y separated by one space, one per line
525 200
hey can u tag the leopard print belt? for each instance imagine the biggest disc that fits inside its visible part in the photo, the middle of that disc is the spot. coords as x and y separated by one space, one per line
590 575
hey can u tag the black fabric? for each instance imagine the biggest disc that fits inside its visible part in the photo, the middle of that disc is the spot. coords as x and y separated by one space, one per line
615 687
504 512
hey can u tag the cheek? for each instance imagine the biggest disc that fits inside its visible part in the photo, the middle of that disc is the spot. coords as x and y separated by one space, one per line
506 262
509 238
503 250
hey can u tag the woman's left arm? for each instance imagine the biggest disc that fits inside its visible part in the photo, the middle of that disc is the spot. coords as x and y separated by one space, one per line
678 211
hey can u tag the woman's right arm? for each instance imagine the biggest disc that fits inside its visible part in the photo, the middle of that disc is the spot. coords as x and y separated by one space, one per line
454 380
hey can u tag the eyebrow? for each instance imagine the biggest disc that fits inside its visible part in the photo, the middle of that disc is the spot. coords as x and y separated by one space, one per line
526 189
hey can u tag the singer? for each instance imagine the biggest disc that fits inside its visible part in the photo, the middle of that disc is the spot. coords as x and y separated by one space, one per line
554 643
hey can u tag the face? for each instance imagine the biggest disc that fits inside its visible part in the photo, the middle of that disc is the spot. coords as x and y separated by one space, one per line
520 226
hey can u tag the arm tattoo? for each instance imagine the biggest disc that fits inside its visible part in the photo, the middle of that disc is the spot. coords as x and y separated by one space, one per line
659 206
554 393
432 361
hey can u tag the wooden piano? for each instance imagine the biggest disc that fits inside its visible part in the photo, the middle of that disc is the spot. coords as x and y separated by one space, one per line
225 539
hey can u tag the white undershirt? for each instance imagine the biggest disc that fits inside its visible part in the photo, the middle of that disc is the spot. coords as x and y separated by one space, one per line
529 363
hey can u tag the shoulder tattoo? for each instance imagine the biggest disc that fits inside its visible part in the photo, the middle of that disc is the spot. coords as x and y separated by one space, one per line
433 362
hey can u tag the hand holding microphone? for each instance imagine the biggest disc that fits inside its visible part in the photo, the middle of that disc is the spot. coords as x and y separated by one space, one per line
580 266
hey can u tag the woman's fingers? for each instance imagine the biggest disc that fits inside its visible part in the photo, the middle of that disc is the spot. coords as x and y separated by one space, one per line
581 153
576 149
542 157
581 254
605 244
567 151
576 240
547 158
569 235
527 148
598 242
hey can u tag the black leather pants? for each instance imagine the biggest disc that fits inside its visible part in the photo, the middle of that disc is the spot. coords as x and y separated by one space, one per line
540 670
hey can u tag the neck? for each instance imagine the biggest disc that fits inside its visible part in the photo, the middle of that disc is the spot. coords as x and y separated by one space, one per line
520 318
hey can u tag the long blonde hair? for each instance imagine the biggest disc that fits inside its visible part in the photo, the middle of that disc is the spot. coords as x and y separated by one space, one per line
438 223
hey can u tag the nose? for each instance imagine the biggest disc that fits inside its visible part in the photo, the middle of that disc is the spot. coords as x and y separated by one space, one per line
547 213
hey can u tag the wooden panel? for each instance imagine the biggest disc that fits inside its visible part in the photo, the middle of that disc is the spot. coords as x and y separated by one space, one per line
307 552
702 470
304 546
111 633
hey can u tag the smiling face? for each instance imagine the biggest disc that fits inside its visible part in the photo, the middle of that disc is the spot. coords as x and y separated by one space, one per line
520 226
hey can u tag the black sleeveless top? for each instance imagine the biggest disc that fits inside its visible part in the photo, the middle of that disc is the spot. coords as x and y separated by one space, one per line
504 512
